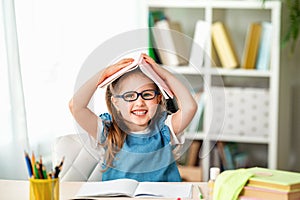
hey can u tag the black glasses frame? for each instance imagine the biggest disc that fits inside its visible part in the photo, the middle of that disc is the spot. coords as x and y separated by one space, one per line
137 95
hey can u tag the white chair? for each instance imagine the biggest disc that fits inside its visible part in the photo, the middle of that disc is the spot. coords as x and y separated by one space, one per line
82 159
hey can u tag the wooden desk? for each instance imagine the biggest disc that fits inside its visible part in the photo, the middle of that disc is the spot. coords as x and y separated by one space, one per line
16 190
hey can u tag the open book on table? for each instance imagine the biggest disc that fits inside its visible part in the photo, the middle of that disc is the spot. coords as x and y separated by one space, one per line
147 70
133 188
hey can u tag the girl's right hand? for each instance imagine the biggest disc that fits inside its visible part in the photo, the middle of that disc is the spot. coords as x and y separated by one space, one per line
110 70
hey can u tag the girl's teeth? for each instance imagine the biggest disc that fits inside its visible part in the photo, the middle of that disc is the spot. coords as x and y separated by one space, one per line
139 112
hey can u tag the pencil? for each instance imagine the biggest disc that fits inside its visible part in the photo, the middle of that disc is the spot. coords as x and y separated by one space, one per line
44 172
33 165
29 164
36 171
200 193
61 162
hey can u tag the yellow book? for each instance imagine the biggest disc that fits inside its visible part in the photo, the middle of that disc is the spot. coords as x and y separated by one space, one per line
224 46
251 46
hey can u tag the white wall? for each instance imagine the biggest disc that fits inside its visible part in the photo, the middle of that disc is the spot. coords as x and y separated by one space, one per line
55 37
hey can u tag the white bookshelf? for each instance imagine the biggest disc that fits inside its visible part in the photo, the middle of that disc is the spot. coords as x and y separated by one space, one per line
236 15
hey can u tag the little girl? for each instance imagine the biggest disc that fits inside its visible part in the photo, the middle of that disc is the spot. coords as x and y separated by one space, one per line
137 134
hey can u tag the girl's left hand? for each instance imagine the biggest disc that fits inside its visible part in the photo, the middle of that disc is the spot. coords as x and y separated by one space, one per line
149 60
159 70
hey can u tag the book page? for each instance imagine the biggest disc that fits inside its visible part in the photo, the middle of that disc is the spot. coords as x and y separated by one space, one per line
119 187
165 190
118 74
148 71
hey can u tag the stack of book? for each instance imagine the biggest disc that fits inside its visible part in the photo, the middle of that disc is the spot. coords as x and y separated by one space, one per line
272 184
257 48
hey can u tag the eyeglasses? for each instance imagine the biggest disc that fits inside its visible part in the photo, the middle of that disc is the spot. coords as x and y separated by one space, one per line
133 95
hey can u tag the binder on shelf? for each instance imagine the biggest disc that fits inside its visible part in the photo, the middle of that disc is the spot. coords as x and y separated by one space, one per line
181 42
167 43
224 46
264 50
200 42
251 46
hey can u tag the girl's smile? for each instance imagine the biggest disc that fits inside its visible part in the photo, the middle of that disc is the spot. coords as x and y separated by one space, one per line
140 112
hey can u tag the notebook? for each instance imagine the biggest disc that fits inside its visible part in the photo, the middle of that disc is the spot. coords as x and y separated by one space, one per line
133 188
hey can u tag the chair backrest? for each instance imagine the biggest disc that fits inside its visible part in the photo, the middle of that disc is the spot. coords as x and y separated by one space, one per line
82 160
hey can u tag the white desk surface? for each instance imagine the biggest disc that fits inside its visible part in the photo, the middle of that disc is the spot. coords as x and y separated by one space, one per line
19 190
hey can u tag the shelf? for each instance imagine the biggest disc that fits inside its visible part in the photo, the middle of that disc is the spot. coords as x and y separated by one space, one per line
219 71
228 138
237 15
196 136
178 4
185 70
240 72
212 3
242 139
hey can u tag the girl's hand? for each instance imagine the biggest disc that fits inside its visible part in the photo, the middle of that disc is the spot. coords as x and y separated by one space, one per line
110 70
150 61
159 70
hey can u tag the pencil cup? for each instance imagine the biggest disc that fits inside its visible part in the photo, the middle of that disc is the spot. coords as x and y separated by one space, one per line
44 189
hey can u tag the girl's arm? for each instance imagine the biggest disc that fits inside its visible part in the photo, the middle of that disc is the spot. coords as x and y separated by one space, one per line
79 103
187 105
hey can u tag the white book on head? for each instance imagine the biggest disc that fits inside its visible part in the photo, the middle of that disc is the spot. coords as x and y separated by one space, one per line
147 69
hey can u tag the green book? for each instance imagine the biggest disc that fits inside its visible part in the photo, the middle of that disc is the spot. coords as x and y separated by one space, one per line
153 17
274 179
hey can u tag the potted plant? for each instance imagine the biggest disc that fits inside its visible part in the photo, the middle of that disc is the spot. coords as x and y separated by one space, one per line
291 35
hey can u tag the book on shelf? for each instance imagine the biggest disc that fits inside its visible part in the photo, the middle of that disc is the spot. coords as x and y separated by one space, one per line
230 156
153 17
182 43
251 46
133 188
224 45
200 42
164 44
264 49
193 153
170 44
147 70
225 155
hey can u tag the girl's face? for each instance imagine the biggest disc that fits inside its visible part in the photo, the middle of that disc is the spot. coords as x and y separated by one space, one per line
136 113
